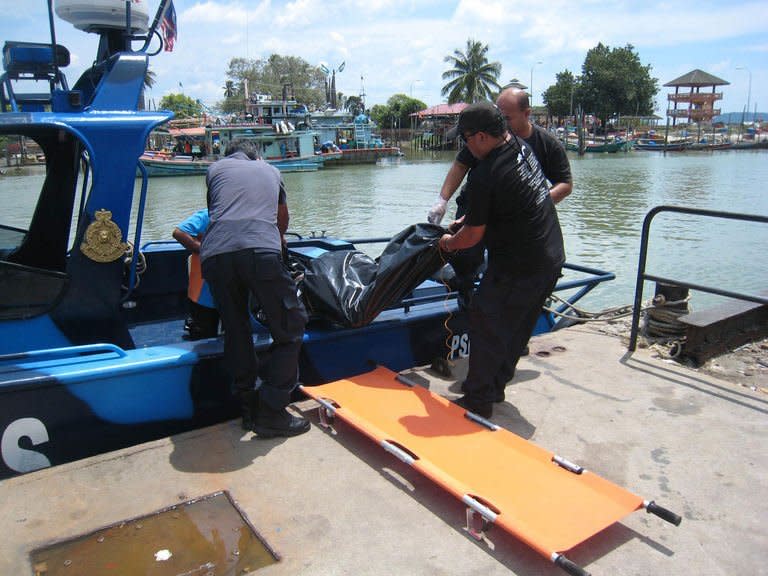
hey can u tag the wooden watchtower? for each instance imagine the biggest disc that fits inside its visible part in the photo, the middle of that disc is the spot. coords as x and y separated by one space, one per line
697 102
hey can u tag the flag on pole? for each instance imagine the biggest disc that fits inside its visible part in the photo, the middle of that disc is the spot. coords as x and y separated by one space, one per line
168 26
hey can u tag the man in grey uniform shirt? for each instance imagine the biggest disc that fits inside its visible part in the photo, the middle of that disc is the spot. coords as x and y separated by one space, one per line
241 257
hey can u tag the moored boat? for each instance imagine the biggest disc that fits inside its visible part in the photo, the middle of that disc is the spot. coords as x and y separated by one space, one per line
353 136
91 327
190 151
610 147
660 145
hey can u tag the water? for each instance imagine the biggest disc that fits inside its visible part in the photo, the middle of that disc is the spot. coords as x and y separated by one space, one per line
208 535
601 220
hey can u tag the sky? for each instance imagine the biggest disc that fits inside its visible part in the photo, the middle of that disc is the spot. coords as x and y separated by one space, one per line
399 46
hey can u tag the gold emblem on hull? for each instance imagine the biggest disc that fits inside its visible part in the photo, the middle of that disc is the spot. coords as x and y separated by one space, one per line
103 239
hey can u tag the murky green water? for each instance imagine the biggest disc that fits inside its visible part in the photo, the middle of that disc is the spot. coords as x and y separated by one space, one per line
205 537
601 220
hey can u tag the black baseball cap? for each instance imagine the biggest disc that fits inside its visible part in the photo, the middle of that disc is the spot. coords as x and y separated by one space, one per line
481 117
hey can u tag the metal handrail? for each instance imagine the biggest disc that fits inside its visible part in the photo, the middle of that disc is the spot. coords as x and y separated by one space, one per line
642 276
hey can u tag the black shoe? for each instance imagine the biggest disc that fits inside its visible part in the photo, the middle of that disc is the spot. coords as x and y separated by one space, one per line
484 410
270 424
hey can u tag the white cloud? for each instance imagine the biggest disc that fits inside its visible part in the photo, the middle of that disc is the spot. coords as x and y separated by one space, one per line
398 46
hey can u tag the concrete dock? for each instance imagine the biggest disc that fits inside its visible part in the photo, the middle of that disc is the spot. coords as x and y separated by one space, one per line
333 504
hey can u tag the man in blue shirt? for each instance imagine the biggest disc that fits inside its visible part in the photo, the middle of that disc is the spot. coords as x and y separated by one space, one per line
203 321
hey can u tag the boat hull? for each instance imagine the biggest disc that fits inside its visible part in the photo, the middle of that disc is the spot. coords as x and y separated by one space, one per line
660 146
61 405
609 148
364 156
157 167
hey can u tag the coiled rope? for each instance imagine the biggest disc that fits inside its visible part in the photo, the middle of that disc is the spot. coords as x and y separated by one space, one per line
661 315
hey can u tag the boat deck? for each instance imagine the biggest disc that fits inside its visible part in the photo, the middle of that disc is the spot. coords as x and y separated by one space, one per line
339 504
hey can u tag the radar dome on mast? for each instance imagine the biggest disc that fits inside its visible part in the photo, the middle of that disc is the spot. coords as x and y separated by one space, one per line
100 15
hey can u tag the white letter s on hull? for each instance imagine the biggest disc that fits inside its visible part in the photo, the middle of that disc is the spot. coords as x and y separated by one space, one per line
18 458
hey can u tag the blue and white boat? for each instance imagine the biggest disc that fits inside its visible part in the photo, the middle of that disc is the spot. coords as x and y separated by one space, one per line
92 356
280 144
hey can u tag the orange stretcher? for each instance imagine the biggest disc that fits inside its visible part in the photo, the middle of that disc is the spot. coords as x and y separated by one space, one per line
542 499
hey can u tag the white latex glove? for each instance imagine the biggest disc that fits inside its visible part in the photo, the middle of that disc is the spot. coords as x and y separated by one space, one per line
437 211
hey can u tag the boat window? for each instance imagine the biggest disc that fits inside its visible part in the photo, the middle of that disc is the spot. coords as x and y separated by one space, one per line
23 174
10 239
40 194
28 292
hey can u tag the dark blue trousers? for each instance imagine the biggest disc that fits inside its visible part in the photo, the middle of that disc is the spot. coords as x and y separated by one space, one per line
234 278
501 319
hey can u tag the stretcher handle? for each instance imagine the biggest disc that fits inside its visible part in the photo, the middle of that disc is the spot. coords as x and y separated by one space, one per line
480 420
480 508
653 508
567 464
329 407
569 566
399 452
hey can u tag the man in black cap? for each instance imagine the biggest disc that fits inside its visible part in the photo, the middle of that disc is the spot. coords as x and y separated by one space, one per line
516 109
511 211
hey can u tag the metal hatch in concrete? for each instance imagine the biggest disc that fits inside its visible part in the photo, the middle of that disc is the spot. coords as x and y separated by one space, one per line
208 535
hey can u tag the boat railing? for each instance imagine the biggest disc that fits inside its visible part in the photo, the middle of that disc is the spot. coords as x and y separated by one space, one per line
134 267
316 243
583 286
66 353
153 29
643 275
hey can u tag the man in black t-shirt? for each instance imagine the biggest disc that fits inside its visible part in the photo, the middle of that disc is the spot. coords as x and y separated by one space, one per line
510 210
516 109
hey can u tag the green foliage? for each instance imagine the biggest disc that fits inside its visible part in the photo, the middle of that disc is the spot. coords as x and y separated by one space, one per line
472 77
149 80
613 81
354 104
270 77
560 97
397 112
381 114
183 106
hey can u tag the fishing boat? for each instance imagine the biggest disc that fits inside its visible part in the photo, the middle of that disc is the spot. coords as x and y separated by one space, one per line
610 147
660 146
189 151
92 349
354 136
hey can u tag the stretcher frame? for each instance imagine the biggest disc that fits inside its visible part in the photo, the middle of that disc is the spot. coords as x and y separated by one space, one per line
540 498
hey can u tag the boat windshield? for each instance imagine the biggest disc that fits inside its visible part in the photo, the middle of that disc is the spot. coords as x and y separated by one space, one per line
40 196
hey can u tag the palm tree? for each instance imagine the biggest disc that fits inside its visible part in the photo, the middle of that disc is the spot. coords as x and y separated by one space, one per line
472 77
229 89
149 81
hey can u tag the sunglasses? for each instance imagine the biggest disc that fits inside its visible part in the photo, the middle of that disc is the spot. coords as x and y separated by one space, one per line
466 137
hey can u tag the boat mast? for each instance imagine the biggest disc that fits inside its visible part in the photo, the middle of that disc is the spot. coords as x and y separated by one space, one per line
54 53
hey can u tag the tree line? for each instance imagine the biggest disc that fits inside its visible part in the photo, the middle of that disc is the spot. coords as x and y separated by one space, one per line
612 81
